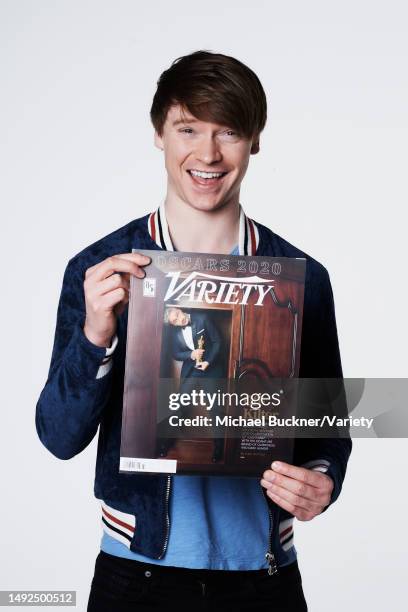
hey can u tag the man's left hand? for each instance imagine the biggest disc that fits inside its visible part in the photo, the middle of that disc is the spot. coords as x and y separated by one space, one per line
202 366
302 492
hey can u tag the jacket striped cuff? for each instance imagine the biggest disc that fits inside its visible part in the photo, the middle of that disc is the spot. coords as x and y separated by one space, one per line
118 525
82 357
286 533
107 363
318 465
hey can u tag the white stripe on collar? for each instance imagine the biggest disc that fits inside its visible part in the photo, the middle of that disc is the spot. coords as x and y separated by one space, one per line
248 237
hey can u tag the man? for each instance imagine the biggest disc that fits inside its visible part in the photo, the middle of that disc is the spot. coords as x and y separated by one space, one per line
202 367
188 329
212 542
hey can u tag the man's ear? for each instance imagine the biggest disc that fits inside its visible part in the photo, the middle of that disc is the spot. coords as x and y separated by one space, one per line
158 141
255 146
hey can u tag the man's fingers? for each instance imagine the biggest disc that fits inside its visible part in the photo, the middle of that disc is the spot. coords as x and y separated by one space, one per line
202 366
98 265
283 503
124 262
113 298
298 473
296 487
114 266
114 281
293 498
299 513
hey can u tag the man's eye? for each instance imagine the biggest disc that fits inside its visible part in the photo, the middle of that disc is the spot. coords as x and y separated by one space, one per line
186 130
230 135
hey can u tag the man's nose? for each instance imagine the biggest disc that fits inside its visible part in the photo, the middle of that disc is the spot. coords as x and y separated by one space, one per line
208 150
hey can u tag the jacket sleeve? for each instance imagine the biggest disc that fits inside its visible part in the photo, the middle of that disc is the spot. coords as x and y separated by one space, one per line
179 353
215 344
78 384
321 363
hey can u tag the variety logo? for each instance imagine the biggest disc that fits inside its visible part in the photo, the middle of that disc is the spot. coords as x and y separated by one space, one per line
200 287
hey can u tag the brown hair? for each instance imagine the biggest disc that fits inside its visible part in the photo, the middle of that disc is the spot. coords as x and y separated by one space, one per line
212 87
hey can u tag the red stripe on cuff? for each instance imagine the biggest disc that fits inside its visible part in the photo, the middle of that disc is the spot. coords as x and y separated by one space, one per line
285 532
118 521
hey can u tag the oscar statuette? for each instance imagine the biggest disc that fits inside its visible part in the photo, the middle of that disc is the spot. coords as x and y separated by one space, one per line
200 345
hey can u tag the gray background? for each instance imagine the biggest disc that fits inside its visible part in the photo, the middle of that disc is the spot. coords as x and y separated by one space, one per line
77 161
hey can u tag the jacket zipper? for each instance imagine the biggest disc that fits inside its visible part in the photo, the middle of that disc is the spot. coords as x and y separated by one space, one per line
269 556
166 539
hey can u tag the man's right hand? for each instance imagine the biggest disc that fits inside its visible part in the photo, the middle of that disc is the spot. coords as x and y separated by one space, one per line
197 354
106 289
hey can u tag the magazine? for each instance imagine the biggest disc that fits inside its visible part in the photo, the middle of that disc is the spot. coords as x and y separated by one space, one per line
212 356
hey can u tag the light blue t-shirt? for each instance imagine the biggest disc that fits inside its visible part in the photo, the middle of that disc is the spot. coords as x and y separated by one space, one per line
216 522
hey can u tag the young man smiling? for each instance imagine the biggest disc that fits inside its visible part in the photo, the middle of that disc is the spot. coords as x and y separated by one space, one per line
214 542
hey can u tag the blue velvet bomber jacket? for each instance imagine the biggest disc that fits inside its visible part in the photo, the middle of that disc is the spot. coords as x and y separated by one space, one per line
75 401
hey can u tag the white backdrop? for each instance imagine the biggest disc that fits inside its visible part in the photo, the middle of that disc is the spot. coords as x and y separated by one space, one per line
77 161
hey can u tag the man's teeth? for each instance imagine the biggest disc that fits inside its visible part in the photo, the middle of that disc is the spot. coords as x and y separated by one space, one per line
206 174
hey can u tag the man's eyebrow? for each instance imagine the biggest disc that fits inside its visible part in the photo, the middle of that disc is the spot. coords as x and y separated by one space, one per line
185 120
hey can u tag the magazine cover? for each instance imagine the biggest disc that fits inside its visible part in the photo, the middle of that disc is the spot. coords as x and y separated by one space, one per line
212 355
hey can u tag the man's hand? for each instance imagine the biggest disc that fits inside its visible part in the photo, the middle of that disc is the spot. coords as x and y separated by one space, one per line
202 366
197 354
301 491
106 289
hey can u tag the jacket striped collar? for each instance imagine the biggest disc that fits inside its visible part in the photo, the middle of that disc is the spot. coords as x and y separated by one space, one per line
248 238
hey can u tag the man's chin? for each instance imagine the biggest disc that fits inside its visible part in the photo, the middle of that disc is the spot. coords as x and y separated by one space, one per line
207 204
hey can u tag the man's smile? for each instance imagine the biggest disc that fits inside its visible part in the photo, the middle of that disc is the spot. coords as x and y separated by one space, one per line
205 178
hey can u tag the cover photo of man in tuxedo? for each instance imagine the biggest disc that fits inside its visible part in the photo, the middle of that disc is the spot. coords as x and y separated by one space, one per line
197 343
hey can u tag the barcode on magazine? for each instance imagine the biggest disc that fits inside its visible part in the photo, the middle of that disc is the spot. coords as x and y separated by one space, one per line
137 466
134 464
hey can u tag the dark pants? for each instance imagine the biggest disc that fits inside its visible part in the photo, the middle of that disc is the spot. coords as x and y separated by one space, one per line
124 585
